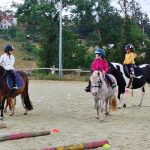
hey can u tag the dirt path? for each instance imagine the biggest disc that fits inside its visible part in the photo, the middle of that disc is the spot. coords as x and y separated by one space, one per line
65 105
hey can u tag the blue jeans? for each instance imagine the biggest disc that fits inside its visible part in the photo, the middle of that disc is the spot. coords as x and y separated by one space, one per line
11 73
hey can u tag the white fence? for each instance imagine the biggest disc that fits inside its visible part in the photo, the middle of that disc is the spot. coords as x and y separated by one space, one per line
56 70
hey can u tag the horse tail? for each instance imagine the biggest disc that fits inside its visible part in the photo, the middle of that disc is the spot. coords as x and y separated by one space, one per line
27 104
25 95
114 104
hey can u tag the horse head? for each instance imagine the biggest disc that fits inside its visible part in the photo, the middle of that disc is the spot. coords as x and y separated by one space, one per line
96 82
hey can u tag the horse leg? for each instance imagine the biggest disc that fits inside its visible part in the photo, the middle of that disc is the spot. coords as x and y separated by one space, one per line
106 107
143 93
121 102
102 110
26 100
95 101
5 109
110 106
13 106
8 103
2 108
97 107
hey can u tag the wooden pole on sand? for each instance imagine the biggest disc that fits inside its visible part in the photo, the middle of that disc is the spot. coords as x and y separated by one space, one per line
90 145
16 136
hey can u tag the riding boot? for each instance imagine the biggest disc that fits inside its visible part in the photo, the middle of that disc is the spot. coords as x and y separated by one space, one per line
112 83
88 88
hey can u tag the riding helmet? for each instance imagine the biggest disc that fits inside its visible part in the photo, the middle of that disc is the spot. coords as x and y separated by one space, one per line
101 52
129 46
8 48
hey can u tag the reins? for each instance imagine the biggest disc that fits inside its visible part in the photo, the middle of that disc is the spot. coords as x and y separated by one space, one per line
3 75
4 71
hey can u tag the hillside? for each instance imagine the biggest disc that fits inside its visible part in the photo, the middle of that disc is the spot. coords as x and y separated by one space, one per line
19 54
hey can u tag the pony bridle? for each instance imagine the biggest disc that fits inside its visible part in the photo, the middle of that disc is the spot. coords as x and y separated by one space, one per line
99 84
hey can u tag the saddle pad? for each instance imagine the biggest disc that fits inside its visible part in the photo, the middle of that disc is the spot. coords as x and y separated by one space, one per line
19 81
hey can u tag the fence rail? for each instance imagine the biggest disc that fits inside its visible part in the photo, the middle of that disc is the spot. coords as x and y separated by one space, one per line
55 70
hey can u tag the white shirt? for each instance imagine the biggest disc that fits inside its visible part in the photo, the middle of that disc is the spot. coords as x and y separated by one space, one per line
7 61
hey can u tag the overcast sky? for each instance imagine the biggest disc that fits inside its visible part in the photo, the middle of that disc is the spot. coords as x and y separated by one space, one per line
145 4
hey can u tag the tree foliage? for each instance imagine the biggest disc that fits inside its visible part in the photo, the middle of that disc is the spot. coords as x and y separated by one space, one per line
91 23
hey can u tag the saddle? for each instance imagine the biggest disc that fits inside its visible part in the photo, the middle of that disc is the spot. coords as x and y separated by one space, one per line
19 81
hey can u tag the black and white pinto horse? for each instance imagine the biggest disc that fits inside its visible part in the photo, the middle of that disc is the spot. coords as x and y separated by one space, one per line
122 75
104 96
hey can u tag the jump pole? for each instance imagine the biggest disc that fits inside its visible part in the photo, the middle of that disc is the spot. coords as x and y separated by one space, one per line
90 145
22 135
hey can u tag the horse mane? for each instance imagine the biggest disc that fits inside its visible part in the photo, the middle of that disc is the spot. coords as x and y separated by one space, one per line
96 76
2 72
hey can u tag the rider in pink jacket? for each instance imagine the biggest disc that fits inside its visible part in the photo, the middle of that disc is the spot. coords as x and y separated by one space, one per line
100 64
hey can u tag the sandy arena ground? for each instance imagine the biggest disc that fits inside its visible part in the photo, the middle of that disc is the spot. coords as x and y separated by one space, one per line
65 105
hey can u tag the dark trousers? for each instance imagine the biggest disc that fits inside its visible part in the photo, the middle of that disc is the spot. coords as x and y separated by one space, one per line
108 78
130 68
11 73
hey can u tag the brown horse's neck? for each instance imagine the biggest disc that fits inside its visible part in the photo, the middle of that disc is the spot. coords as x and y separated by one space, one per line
2 73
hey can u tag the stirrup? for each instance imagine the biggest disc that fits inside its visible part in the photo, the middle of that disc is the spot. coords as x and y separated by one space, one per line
15 88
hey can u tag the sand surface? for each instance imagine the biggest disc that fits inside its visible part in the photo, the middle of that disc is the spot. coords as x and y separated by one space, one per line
65 106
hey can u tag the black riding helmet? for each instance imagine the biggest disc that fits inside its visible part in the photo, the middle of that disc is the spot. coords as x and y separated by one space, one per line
8 48
129 46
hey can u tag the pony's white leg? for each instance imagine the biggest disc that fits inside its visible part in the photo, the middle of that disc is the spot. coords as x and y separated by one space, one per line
95 103
96 100
122 102
143 93
110 106
102 110
26 112
107 107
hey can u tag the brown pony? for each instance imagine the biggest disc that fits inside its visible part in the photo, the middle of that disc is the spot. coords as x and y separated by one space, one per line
6 92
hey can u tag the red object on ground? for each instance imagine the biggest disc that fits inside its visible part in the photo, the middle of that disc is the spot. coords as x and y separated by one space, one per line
16 136
55 130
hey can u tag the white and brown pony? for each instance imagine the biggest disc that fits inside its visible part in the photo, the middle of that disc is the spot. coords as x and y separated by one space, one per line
103 94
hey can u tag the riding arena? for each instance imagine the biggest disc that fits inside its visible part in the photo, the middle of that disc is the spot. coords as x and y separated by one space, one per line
65 107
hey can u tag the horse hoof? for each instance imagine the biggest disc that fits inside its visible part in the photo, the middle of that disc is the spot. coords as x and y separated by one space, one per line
119 107
25 113
2 118
106 114
101 121
124 105
5 111
97 117
11 114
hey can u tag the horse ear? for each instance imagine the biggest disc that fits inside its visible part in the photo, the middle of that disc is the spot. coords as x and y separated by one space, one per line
91 78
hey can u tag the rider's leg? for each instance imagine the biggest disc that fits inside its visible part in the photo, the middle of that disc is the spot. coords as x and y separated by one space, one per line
13 77
112 83
132 73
